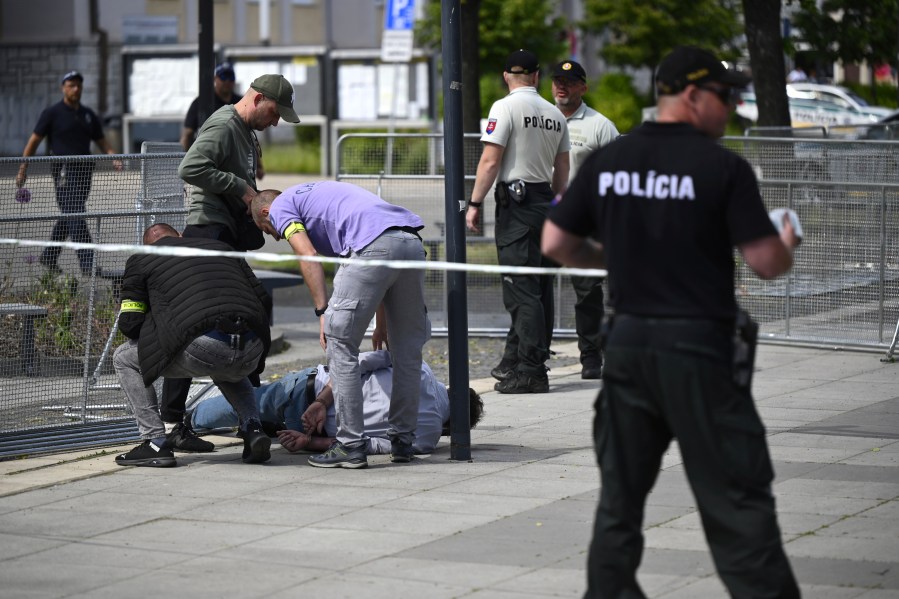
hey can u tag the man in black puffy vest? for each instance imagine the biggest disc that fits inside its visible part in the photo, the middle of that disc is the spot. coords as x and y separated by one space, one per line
186 317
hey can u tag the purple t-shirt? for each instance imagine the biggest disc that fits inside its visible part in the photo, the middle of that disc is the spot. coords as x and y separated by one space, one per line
338 217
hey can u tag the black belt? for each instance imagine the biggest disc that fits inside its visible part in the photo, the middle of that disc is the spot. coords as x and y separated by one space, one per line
234 340
412 230
672 333
310 388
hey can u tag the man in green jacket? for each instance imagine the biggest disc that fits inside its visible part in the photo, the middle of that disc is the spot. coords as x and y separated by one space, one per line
221 163
221 167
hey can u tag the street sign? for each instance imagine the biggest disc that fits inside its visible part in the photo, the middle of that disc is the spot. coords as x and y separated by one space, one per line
399 19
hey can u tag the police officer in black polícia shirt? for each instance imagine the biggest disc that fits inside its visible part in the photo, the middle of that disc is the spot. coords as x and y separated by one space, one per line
667 205
526 154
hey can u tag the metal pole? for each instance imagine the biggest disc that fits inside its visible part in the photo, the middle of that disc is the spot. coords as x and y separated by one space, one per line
456 297
206 35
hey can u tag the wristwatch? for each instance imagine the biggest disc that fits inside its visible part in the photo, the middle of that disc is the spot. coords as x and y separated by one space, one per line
476 204
320 311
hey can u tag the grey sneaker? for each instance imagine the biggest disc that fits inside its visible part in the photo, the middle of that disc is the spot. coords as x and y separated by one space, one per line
340 456
400 451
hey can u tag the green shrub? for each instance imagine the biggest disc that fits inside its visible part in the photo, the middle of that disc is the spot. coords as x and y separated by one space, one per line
886 93
305 156
367 156
616 98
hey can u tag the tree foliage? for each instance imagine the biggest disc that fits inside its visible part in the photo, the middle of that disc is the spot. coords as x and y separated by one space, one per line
504 26
849 30
490 31
641 32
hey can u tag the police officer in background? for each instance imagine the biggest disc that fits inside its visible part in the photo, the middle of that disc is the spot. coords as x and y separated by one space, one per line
666 205
526 154
588 130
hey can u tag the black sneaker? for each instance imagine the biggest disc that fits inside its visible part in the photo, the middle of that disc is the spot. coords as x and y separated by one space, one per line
591 367
256 444
340 456
524 383
147 454
400 451
183 438
272 428
503 370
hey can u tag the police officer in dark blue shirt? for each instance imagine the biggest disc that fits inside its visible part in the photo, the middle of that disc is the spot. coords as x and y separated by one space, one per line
666 205
69 128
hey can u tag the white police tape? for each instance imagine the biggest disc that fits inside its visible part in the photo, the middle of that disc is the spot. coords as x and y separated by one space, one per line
269 257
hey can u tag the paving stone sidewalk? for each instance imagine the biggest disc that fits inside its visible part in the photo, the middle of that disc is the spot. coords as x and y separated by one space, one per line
513 522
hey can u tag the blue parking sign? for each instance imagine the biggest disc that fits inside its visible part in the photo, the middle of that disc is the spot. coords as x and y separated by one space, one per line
399 14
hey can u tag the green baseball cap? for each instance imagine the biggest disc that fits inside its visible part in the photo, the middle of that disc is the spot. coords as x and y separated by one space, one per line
280 90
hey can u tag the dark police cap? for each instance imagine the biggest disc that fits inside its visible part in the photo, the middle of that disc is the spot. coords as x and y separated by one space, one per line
71 75
570 70
522 62
225 71
687 65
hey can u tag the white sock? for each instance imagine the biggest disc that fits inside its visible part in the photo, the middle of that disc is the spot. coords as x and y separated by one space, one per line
169 426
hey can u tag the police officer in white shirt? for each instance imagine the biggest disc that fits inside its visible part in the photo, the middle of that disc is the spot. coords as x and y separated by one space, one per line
587 130
526 155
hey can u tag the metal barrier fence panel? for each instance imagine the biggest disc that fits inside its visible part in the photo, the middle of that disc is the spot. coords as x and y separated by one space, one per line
58 328
57 317
842 289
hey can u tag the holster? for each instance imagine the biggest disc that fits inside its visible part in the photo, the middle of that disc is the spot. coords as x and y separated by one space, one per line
501 194
746 333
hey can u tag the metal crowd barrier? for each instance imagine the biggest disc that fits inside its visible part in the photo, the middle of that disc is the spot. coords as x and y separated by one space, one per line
57 329
58 325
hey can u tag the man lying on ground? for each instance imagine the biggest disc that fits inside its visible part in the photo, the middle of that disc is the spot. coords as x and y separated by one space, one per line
302 405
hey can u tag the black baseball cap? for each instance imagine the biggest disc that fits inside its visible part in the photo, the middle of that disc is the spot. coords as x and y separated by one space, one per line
522 62
71 75
687 65
225 71
570 70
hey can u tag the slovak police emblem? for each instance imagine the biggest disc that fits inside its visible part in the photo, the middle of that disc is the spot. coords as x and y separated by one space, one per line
566 66
491 125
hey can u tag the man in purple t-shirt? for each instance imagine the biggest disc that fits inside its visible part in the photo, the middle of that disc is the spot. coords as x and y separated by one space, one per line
339 219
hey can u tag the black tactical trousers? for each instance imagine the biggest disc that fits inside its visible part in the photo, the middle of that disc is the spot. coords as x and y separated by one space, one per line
588 312
528 298
672 379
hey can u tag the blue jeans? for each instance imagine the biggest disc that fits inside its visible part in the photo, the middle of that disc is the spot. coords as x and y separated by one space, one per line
284 400
203 356
358 291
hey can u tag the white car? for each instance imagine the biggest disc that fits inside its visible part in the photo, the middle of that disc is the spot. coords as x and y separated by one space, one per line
821 105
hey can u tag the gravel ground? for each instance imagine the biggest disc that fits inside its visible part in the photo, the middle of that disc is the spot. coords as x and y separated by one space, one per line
483 354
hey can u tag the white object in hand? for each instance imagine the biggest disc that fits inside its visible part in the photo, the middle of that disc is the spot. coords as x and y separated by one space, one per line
777 218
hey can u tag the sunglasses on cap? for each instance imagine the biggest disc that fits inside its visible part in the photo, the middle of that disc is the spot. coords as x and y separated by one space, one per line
729 96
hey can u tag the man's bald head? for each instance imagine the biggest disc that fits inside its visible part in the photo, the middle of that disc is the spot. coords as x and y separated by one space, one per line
156 232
